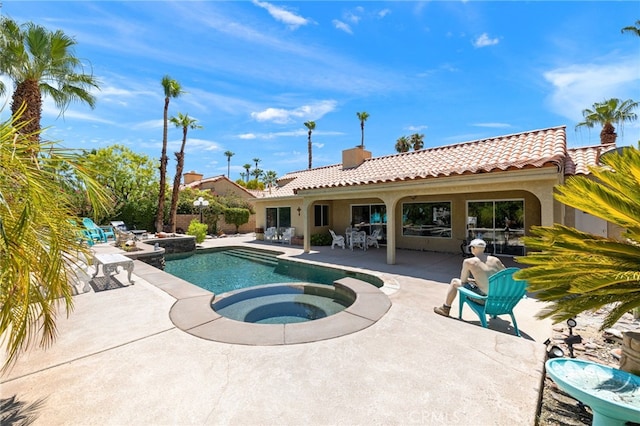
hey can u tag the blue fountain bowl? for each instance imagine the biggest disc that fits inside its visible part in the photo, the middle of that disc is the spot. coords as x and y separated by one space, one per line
612 394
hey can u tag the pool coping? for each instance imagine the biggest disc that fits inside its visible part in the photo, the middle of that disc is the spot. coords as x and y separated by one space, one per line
192 313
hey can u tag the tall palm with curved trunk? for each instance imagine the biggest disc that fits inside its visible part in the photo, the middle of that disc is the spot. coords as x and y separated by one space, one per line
310 125
41 62
228 154
186 123
362 116
172 89
608 113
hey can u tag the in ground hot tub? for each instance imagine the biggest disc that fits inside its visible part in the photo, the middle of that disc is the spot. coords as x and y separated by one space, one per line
284 303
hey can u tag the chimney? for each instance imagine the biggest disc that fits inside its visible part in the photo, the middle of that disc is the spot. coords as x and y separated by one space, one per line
191 176
354 157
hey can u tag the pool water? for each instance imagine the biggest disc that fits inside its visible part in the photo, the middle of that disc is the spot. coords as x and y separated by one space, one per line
221 271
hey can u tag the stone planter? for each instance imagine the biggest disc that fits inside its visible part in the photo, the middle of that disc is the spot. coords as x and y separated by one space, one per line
297 241
259 234
630 357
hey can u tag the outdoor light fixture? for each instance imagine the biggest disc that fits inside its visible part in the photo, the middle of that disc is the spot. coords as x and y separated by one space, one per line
201 202
572 339
553 351
299 210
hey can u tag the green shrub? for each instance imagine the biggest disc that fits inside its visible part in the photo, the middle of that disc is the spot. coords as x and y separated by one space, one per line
198 230
323 239
236 216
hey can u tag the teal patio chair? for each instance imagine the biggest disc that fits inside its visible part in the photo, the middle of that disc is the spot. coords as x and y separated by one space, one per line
98 233
504 294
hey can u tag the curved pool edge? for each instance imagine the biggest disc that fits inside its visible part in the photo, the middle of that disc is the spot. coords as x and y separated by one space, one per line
195 316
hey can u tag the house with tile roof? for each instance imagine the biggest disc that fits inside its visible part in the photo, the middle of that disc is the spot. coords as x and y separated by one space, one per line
437 198
217 185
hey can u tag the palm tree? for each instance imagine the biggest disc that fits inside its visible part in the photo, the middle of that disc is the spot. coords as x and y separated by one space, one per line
247 167
256 161
270 178
402 144
39 245
577 271
172 89
608 113
311 125
362 116
229 154
417 141
633 29
186 123
257 173
41 62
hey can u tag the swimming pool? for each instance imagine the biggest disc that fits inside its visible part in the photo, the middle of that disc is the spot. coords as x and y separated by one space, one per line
274 309
234 268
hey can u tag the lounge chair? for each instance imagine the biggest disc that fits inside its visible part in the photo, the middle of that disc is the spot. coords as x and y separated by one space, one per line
503 295
337 240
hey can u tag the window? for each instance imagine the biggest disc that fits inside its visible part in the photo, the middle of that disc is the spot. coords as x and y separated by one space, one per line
369 217
427 219
321 215
500 223
280 217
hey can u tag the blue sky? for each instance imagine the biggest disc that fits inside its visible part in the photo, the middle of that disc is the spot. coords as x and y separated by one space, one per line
255 71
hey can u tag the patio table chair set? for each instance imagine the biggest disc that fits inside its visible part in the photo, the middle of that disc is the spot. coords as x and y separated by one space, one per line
355 238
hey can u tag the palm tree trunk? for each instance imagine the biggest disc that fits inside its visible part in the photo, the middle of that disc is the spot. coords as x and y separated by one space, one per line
309 149
608 134
163 170
175 193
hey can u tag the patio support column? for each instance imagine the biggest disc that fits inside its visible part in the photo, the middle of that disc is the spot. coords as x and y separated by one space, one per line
306 227
390 205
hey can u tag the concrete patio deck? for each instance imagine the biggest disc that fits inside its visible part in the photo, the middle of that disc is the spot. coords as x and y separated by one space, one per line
119 359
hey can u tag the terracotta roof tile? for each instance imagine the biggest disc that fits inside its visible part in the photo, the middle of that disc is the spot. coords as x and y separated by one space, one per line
536 148
579 159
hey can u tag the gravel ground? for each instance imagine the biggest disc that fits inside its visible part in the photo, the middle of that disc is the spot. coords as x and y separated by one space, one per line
557 407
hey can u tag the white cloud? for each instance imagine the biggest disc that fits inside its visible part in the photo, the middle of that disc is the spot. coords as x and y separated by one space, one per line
383 13
303 113
484 41
292 20
579 86
247 136
342 26
416 128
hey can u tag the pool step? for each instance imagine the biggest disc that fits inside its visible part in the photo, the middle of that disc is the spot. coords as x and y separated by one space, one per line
254 256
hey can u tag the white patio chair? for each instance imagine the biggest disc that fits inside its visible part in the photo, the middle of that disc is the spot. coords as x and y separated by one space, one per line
358 238
372 240
338 240
288 235
270 233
